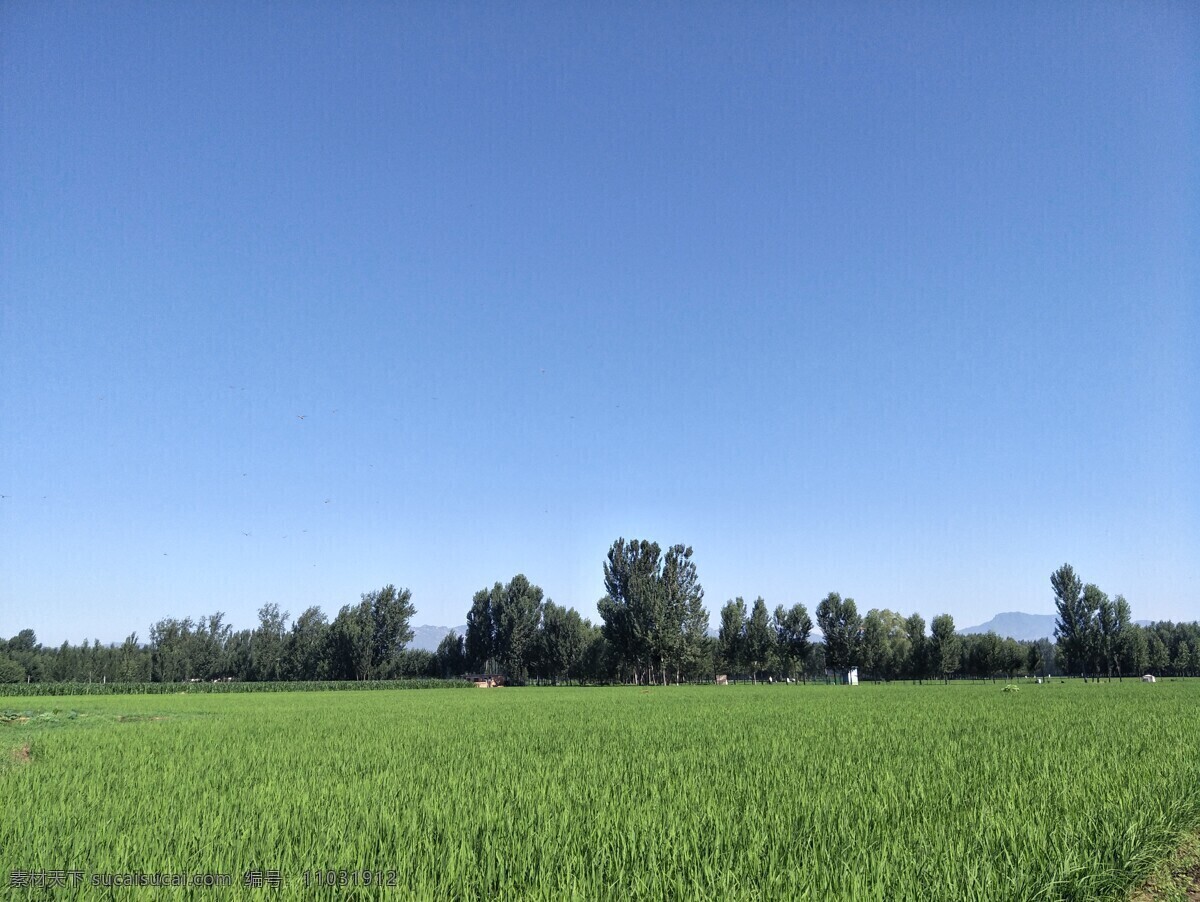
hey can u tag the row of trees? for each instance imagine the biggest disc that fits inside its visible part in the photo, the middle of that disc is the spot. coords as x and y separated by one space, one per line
365 641
1096 636
654 627
883 644
512 630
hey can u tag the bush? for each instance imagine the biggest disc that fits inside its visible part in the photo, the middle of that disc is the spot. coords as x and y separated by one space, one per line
11 671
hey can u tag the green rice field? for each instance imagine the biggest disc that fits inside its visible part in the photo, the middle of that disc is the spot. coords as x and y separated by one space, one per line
1061 791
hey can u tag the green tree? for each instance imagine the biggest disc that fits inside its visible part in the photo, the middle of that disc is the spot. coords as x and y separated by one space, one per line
267 644
1093 639
1108 630
599 663
1159 654
168 639
633 606
352 638
1075 627
481 631
366 640
945 646
792 629
24 641
516 610
134 663
392 611
305 650
918 656
450 659
235 657
886 646
1012 657
731 634
1123 640
1034 658
563 639
760 640
990 648
840 622
682 639
10 670
1183 659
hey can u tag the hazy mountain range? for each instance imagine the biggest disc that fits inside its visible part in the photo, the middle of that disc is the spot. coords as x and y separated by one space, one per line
1015 624
428 637
1023 626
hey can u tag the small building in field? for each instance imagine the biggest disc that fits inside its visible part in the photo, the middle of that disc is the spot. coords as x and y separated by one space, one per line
1149 678
486 680
722 679
852 677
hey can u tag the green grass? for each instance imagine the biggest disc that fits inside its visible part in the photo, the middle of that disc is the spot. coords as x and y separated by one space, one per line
204 687
957 792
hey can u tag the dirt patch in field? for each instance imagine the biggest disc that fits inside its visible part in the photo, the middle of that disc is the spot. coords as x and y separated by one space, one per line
1190 882
1193 889
1181 887
21 754
1177 880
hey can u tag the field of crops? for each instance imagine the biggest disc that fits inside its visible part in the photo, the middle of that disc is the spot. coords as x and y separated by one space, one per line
1063 791
203 687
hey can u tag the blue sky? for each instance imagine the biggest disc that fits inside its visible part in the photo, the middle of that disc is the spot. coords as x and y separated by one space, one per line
895 300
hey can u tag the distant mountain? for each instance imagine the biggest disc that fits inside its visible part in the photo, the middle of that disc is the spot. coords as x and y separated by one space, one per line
1023 627
1017 625
428 637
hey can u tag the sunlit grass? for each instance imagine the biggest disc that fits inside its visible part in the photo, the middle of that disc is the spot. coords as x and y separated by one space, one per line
772 792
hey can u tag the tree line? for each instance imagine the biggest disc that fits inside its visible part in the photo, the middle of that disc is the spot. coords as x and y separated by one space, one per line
364 641
1096 636
654 628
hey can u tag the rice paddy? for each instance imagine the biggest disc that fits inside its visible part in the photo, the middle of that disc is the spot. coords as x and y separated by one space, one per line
1063 791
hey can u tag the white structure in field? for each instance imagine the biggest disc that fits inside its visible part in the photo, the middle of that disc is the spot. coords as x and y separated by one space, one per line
1149 678
852 677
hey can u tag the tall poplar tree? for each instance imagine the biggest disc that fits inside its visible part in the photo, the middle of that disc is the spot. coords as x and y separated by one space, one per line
760 640
1074 627
840 622
945 645
792 629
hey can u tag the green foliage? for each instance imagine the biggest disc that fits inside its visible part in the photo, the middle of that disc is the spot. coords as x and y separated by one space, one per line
450 659
760 639
653 614
792 629
481 631
919 652
1074 629
731 634
516 610
887 648
683 640
840 622
945 646
11 671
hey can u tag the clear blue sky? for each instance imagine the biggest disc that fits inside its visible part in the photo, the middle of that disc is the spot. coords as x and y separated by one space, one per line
897 300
